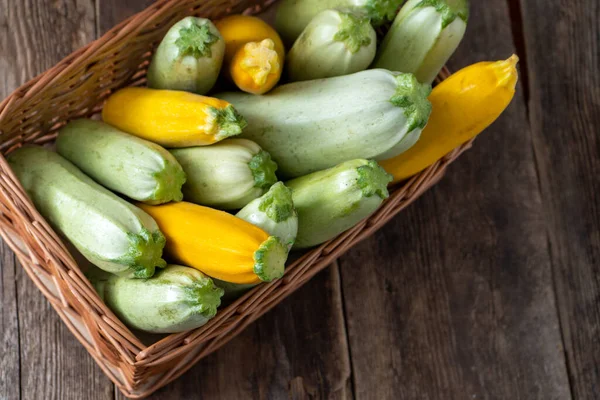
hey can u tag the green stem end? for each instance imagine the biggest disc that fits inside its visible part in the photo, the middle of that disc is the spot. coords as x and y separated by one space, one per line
412 97
373 180
263 170
229 122
277 203
269 260
196 40
354 31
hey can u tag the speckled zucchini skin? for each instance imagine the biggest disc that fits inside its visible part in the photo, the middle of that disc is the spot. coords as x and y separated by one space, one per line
111 233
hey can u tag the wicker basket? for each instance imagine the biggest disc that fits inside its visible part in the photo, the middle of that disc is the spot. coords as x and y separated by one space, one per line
77 87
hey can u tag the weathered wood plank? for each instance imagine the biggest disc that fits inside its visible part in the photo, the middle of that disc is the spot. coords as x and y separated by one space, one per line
454 298
53 365
563 51
9 326
9 322
297 350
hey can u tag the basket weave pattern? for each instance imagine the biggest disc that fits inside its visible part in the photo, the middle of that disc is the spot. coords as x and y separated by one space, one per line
77 87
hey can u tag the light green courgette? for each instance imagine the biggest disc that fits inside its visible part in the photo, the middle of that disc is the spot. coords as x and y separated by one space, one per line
293 16
226 175
312 125
334 43
423 36
111 233
331 201
188 58
176 299
137 168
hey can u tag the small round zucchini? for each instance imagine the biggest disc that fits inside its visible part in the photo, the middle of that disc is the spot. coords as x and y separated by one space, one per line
331 201
188 58
137 168
227 175
334 43
176 299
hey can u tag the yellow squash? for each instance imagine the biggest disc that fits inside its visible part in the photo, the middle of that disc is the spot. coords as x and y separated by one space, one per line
463 106
172 118
254 53
217 243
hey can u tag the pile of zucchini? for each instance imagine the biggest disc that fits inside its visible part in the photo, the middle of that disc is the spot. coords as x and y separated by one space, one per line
178 199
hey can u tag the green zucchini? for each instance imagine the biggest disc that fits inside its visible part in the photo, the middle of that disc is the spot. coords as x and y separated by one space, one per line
334 43
331 201
188 58
137 168
423 36
176 299
292 16
111 233
312 125
274 213
226 175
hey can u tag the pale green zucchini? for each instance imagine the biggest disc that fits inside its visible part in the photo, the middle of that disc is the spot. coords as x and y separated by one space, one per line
334 43
312 125
274 213
423 36
292 16
137 168
188 58
331 201
176 299
111 233
226 175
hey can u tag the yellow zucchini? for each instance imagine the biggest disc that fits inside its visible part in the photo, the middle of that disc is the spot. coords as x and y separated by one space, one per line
172 118
254 53
462 107
219 244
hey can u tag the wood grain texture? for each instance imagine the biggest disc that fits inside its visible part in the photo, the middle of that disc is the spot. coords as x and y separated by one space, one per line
9 327
53 365
563 52
297 351
9 320
454 298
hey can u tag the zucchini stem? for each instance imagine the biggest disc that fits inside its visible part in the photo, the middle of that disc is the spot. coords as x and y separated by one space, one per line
227 122
354 31
263 170
270 259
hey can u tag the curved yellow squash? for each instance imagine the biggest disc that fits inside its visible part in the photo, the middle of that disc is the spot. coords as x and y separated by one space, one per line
462 107
172 118
254 53
219 244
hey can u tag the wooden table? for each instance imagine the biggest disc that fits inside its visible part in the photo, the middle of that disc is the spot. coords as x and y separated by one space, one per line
487 288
